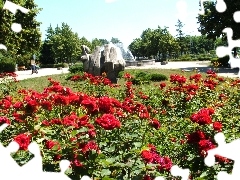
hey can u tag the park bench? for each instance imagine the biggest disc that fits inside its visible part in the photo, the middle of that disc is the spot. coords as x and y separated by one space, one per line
22 68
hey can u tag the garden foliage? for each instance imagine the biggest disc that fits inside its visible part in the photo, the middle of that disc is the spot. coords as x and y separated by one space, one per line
7 63
125 132
76 68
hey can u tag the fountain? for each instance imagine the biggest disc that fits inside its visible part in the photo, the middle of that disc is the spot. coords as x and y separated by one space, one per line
107 58
126 53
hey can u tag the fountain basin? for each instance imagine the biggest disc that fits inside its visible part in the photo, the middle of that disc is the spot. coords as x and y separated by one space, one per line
148 62
131 63
140 63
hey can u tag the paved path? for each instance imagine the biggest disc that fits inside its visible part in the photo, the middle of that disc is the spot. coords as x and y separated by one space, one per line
41 72
202 66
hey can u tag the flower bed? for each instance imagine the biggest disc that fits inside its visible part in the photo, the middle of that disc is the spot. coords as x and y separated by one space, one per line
125 132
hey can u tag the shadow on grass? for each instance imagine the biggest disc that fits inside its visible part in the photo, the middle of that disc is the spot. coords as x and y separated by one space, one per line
221 70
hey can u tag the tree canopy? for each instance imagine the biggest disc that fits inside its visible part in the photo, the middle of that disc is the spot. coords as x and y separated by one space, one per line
212 22
27 41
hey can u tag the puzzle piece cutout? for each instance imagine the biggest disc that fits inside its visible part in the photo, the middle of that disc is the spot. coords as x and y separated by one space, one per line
220 6
227 150
222 51
33 168
35 165
236 16
12 7
176 171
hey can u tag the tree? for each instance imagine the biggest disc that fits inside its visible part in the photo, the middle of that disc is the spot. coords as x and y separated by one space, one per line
154 42
179 30
28 41
136 48
181 37
115 40
96 42
212 22
103 41
149 46
46 54
64 45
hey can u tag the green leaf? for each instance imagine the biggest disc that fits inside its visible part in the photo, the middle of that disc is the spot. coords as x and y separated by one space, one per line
37 127
105 172
55 147
107 178
110 149
110 160
204 174
83 129
40 140
137 144
74 132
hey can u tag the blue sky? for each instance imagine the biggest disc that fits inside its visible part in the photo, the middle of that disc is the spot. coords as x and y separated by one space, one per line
123 19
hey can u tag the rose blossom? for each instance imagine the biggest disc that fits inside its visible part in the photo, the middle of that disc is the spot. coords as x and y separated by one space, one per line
108 122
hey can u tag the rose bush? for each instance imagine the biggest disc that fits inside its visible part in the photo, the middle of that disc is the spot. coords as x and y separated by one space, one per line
125 132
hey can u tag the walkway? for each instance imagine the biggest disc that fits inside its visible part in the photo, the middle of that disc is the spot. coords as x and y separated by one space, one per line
41 72
202 66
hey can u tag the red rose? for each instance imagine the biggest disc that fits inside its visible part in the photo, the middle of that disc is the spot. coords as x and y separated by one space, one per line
166 163
51 144
155 123
76 163
195 137
203 116
57 157
162 85
90 104
105 104
47 105
4 120
147 156
23 140
147 177
18 105
127 76
91 145
217 126
204 146
108 122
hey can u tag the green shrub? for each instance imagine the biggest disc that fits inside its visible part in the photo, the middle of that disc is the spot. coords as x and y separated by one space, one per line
186 57
142 75
158 77
65 65
120 74
7 64
204 57
76 68
141 78
214 59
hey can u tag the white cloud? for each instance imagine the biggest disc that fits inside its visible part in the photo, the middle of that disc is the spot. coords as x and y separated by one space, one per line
110 1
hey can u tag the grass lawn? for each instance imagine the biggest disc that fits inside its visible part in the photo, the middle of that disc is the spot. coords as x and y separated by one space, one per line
40 83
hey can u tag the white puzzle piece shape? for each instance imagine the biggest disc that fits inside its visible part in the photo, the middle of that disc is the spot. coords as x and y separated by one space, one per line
220 6
227 150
